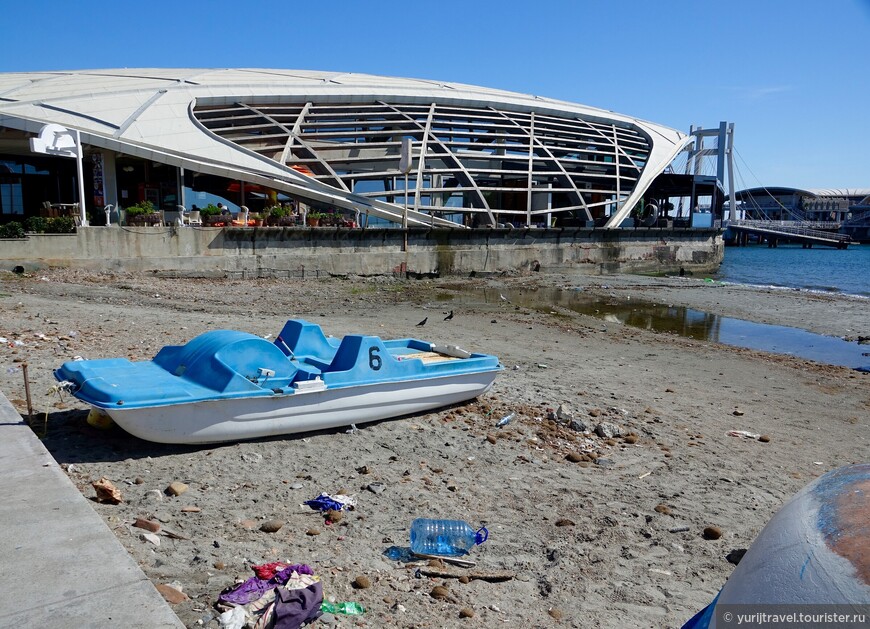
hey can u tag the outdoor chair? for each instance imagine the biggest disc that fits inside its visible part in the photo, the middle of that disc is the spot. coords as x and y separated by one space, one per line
73 211
193 218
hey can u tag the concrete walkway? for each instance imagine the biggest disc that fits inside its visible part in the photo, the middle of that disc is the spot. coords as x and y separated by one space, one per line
62 566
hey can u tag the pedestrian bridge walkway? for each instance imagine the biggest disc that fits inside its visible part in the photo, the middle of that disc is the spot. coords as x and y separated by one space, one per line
793 231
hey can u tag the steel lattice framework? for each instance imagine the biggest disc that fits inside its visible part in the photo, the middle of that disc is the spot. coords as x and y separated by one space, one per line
509 165
335 139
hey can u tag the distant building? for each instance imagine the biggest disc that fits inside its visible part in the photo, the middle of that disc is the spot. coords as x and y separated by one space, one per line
822 205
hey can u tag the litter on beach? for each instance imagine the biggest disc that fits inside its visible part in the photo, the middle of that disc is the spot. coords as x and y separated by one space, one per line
325 502
742 433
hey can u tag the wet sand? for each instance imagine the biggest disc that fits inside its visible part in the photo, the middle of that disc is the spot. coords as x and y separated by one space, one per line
594 532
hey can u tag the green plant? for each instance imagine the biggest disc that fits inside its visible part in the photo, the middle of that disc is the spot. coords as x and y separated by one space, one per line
36 224
60 225
13 229
140 209
279 211
316 214
209 210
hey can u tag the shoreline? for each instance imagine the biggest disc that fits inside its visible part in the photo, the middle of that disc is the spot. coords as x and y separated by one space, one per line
588 542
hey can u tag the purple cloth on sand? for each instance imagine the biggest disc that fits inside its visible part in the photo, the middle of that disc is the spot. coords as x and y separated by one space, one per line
252 589
293 608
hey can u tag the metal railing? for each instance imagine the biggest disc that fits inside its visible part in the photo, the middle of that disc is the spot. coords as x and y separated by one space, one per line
792 228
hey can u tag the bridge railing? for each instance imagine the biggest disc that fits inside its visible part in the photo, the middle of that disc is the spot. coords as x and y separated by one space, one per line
792 228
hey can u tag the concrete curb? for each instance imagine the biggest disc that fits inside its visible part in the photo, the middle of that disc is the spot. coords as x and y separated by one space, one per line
62 565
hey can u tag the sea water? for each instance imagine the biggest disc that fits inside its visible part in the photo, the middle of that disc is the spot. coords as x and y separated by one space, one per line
823 269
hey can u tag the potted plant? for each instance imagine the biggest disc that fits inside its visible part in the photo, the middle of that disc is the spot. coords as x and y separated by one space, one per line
143 214
281 215
273 215
314 218
211 215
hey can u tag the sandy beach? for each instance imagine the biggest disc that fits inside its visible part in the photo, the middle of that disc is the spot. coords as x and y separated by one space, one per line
585 531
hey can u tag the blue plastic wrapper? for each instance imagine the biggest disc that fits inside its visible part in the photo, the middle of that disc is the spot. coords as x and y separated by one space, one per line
324 502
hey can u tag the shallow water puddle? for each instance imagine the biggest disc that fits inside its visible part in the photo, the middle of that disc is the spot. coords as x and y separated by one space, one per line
689 323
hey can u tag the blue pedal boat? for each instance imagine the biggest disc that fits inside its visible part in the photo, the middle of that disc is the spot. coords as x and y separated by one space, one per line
226 385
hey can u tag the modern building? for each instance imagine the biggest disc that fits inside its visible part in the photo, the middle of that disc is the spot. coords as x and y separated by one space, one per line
430 152
817 205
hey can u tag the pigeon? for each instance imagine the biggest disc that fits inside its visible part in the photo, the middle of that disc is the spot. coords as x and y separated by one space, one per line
503 298
449 317
423 322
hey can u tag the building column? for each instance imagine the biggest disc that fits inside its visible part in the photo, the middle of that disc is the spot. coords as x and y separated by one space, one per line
110 178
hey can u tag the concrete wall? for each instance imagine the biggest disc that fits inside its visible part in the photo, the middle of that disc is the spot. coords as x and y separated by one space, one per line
303 252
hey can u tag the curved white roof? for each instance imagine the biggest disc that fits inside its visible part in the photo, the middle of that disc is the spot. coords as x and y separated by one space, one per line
149 113
839 192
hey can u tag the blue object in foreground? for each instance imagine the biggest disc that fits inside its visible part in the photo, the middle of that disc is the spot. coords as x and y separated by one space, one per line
444 537
226 385
811 558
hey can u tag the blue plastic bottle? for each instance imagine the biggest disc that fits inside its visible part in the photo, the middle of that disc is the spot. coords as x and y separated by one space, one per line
444 537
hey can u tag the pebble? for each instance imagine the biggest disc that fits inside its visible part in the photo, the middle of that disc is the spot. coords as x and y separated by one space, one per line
171 594
737 412
219 565
247 524
606 430
663 509
564 522
376 488
631 439
712 532
333 515
604 462
439 592
466 612
678 529
271 526
138 480
312 532
594 412
764 438
575 457
564 413
464 579
555 613
362 582
491 438
148 525
579 425
176 488
150 537
190 509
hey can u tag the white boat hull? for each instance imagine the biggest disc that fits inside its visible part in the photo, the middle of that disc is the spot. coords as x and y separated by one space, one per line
213 421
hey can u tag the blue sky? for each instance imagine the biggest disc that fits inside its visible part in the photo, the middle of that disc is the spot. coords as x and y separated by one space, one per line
794 76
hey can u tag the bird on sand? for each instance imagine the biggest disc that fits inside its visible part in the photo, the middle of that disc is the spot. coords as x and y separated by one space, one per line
423 322
449 317
503 298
